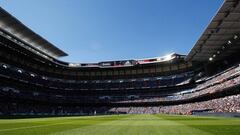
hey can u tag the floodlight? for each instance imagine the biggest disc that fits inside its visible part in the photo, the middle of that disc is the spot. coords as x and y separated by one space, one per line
235 37
223 47
210 59
229 42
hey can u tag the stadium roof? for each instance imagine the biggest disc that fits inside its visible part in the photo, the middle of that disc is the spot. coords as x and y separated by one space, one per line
224 27
15 27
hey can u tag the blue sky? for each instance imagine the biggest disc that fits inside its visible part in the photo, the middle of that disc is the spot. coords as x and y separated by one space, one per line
98 30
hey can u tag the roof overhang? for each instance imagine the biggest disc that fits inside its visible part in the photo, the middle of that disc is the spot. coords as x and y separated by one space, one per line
223 27
18 29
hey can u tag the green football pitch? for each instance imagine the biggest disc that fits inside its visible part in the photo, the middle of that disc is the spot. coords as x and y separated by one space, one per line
122 125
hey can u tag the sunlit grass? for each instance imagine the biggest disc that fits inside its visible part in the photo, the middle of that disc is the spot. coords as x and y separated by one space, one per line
122 125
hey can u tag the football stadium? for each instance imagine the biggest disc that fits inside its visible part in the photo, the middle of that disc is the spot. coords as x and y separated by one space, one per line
177 94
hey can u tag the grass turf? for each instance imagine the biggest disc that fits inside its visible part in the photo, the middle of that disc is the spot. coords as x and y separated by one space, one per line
122 125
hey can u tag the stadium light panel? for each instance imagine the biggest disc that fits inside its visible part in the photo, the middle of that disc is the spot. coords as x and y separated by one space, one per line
5 66
229 42
19 71
210 59
235 37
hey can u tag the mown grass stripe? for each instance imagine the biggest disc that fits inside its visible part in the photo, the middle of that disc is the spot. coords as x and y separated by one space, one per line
122 125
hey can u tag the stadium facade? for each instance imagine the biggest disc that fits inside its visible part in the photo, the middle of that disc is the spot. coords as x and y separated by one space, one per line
33 81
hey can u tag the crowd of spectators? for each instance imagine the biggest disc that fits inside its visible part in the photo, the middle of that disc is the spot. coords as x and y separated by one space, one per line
217 83
115 84
229 104
222 105
35 109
